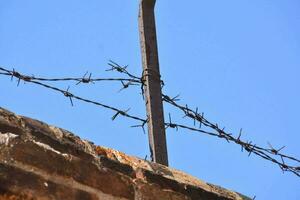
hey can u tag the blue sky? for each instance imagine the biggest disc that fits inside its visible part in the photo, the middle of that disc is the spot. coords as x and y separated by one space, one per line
238 61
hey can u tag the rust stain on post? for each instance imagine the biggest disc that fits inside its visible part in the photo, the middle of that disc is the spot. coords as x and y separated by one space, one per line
152 89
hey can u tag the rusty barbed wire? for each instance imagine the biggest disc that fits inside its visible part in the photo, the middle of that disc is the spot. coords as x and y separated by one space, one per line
67 93
270 154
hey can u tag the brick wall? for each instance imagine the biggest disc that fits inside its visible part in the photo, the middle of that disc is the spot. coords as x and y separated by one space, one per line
38 161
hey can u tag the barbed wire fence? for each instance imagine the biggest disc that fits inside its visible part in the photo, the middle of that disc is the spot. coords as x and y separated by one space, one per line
286 163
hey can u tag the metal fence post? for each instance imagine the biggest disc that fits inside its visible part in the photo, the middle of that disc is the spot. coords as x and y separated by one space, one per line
152 88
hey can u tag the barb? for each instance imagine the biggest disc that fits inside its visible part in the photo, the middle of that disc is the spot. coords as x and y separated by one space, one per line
126 85
121 69
142 125
86 80
270 154
68 94
170 124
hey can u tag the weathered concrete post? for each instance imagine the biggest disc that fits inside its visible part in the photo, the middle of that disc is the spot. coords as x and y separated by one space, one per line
152 88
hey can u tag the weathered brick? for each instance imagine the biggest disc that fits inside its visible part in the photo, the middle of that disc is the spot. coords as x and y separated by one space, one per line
87 173
26 185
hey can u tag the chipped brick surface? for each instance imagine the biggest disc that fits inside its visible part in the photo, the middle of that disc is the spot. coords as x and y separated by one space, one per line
39 161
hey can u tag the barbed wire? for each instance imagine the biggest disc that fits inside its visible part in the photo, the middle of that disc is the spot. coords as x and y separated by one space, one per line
86 78
67 93
270 154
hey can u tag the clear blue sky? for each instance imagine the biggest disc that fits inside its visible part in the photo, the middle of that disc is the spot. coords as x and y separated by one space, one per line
238 61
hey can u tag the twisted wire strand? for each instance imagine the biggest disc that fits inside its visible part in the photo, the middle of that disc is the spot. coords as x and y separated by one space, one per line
83 79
